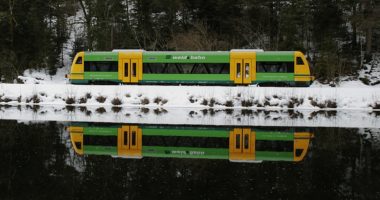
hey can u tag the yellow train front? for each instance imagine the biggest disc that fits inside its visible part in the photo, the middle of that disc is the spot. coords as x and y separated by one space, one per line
234 144
235 67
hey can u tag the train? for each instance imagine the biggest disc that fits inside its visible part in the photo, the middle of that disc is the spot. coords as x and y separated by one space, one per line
236 144
234 67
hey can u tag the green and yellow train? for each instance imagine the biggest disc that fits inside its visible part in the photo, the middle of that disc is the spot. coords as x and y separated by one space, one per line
242 144
235 67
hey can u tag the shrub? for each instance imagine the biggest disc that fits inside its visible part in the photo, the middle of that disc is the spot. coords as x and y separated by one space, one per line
229 103
145 101
83 100
246 103
116 101
157 100
101 99
101 110
212 102
70 100
33 99
116 109
88 95
204 102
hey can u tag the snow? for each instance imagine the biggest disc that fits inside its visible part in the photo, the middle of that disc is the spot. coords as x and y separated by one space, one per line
193 116
315 98
32 76
371 72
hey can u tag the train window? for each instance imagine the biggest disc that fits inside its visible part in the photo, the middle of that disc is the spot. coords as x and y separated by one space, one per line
126 71
299 152
133 140
185 141
246 141
238 72
125 138
100 140
280 146
95 66
79 60
134 68
299 61
78 145
186 68
275 67
246 68
237 142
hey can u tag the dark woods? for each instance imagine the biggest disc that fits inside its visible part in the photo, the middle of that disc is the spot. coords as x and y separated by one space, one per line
337 36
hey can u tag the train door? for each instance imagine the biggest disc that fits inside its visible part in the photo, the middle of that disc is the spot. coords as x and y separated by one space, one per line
130 142
125 70
242 66
134 70
238 79
242 144
130 66
247 68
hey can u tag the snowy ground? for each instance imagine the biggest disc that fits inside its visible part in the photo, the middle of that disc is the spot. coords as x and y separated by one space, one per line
314 98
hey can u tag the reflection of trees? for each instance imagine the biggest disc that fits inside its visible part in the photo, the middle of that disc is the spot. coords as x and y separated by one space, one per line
34 160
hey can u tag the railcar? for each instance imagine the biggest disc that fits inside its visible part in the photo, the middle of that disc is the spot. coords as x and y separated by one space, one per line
235 67
236 144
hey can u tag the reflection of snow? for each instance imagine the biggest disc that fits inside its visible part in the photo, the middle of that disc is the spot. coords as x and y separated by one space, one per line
194 116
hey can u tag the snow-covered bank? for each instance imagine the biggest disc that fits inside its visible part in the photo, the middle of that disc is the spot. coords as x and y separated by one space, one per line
191 96
193 116
32 76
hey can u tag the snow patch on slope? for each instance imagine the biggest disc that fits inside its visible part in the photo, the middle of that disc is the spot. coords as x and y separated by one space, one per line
33 76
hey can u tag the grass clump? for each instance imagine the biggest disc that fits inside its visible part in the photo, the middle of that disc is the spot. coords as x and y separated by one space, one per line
229 103
70 100
246 103
101 110
101 99
33 99
157 100
145 101
116 101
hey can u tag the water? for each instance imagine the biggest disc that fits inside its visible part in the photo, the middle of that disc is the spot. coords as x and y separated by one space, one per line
184 160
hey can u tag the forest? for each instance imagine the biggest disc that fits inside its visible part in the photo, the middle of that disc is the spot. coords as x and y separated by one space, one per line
337 36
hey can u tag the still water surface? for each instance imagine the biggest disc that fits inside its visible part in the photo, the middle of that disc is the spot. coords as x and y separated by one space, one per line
87 160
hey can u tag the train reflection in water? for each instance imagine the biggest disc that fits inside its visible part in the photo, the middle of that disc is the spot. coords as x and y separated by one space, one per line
237 144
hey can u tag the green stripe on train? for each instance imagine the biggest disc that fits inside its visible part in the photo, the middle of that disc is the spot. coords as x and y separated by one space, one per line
101 56
101 131
186 77
100 150
185 152
101 76
275 135
274 156
275 56
196 132
274 77
186 57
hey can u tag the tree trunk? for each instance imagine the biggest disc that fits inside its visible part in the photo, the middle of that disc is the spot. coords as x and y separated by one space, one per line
368 49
